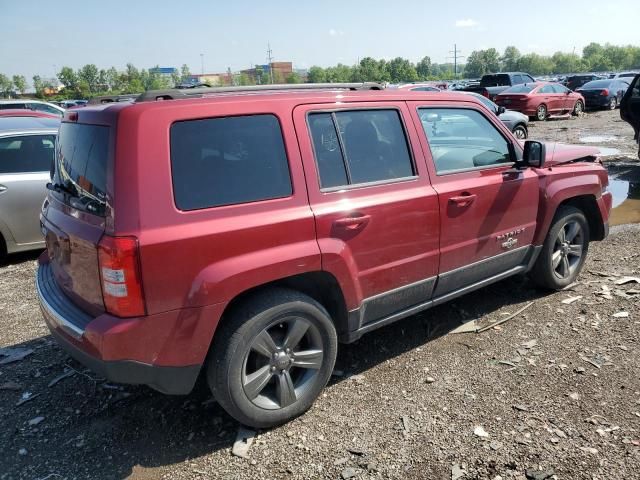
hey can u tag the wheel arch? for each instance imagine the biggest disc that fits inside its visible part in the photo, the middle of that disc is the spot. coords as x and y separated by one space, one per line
320 285
589 207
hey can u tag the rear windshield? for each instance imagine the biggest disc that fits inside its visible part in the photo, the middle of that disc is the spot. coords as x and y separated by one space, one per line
524 88
498 80
597 84
228 160
81 164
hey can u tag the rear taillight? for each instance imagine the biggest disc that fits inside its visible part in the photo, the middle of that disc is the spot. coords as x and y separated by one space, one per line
120 274
604 93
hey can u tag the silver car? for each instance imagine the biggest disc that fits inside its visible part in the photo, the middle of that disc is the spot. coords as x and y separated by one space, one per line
27 146
516 122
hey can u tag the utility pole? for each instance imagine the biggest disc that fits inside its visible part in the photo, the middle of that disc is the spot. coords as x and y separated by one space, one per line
456 56
202 63
270 60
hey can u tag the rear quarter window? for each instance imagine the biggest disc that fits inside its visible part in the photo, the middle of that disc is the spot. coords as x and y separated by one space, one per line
227 161
26 153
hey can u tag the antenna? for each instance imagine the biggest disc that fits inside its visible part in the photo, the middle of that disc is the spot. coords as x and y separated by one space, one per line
456 56
270 60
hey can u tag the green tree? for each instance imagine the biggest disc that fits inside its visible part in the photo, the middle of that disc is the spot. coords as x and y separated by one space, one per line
510 59
317 75
338 74
535 64
423 68
5 85
475 66
184 72
20 82
402 70
369 70
294 77
567 63
88 77
38 85
69 80
245 79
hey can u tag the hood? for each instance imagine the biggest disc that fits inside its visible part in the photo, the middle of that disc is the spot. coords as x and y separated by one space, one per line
559 153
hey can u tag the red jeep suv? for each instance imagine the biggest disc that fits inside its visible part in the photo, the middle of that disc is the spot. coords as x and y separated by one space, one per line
243 232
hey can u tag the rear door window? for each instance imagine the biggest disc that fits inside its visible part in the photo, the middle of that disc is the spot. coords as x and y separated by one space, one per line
26 153
360 146
228 160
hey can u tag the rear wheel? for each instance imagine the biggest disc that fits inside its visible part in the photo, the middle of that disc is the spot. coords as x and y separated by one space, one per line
564 250
272 357
541 112
578 108
613 103
520 132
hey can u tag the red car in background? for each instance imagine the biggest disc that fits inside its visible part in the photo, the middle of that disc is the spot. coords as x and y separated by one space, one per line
17 112
541 100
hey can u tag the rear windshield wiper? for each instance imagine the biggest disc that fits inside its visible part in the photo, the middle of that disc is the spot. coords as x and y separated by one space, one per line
60 188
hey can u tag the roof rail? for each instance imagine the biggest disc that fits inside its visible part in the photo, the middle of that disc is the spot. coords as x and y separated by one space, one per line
113 98
174 93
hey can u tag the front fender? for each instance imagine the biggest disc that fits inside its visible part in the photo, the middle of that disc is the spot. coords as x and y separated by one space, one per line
554 191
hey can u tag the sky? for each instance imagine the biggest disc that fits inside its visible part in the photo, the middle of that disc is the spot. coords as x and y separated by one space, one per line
38 37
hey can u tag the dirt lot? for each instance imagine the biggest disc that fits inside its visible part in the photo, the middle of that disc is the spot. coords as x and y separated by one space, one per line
552 393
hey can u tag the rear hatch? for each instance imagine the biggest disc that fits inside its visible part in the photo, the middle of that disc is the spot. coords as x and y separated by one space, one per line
76 212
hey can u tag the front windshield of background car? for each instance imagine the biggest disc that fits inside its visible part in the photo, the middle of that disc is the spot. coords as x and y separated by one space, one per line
498 80
524 88
597 84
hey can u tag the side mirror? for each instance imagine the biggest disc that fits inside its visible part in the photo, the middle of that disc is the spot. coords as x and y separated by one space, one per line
534 154
501 110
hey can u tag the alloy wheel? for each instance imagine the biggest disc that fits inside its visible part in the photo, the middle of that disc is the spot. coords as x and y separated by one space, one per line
281 362
578 108
542 112
520 133
613 103
568 249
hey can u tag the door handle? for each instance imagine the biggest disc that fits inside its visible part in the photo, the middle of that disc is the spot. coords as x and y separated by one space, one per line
463 200
3 188
352 223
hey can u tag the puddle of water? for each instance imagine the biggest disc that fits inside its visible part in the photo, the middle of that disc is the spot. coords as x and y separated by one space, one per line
598 138
608 151
624 185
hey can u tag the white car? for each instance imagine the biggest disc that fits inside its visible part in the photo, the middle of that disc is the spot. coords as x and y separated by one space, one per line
26 154
36 105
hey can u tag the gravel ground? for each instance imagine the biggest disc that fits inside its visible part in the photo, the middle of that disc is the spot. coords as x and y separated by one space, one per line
554 392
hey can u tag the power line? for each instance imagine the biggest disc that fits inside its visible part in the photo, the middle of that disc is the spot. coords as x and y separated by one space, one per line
456 56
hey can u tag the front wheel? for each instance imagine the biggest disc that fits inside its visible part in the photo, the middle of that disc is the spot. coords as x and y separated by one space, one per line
578 108
541 112
272 357
564 250
520 132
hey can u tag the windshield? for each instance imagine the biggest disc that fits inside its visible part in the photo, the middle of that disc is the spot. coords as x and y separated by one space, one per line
524 88
81 164
498 80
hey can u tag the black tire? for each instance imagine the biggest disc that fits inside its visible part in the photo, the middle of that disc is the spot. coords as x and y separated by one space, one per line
3 250
541 112
520 132
276 312
613 103
578 108
544 273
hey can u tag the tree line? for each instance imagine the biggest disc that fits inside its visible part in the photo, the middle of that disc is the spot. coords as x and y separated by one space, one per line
89 80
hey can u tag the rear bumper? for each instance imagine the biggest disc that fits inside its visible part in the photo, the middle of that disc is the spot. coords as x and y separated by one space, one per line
593 102
164 351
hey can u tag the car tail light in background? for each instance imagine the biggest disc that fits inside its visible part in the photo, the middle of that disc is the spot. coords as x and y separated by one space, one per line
604 93
119 261
70 116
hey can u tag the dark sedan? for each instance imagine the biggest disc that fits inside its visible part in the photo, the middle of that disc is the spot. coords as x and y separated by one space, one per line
603 93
